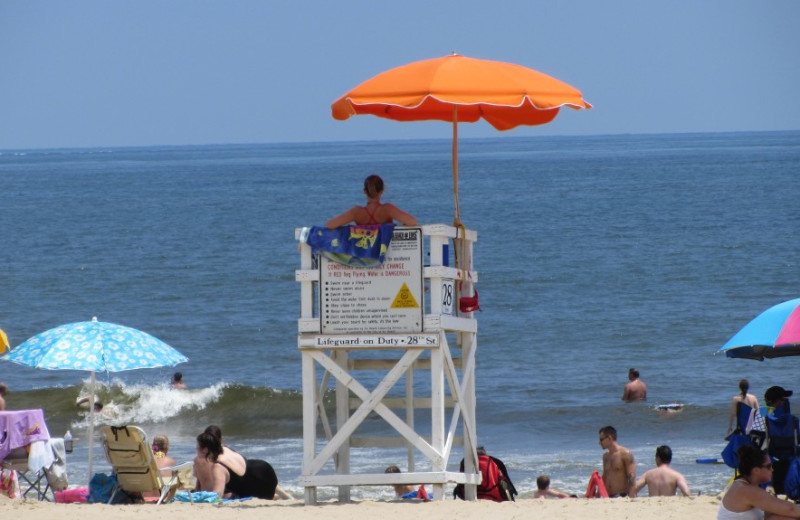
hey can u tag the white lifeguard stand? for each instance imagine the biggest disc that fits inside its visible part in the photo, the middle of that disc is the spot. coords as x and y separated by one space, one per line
351 319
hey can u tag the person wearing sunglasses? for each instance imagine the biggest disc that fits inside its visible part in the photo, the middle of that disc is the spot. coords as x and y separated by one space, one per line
619 465
777 399
745 499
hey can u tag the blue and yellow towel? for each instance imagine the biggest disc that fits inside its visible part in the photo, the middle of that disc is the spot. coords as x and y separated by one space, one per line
359 246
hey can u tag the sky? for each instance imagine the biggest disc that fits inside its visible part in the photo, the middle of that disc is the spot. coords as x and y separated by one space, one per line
110 73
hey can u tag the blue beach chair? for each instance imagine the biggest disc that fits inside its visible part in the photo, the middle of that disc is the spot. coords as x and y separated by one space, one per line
782 437
755 435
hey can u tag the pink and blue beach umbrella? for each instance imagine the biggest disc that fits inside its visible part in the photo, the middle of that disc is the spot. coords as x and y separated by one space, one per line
773 333
94 346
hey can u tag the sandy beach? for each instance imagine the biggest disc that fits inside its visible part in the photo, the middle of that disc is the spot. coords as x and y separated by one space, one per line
661 508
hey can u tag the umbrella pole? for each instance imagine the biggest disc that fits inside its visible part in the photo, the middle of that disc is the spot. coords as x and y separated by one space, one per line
457 221
90 441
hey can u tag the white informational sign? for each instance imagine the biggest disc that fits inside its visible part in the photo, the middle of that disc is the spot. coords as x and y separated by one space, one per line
448 296
376 341
388 298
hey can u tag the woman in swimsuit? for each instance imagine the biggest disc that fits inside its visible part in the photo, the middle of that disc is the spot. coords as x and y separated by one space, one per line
745 500
210 475
374 212
243 477
743 397
231 459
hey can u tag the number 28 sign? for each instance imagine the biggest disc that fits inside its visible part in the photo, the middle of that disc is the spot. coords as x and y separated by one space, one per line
448 296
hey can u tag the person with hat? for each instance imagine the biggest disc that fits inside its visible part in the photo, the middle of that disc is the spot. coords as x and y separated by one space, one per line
776 397
782 429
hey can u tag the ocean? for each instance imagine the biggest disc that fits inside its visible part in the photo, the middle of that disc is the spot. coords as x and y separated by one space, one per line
595 254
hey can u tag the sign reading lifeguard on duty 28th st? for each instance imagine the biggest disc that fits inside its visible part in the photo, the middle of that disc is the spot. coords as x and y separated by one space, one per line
388 298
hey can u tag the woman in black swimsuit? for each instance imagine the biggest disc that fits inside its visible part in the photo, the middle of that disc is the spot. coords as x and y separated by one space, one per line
374 212
211 476
242 477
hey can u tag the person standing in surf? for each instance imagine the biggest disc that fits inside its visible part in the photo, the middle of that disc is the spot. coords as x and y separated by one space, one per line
743 397
635 389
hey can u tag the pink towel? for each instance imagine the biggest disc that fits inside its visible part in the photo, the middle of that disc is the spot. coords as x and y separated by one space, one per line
70 496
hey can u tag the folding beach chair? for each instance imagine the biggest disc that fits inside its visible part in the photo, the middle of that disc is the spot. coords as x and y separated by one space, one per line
132 460
750 422
41 482
186 479
782 438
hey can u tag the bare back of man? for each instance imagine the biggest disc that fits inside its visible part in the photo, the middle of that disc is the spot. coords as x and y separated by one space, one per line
663 481
635 390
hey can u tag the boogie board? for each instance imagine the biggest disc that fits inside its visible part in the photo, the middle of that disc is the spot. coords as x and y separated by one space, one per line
710 461
670 407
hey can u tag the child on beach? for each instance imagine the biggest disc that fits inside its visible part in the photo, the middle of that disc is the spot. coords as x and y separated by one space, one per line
544 491
407 491
160 449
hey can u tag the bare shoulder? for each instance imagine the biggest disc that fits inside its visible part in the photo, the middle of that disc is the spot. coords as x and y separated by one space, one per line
674 472
625 451
627 454
391 209
343 218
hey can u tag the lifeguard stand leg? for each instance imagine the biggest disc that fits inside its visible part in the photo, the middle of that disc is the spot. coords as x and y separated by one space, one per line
309 420
342 415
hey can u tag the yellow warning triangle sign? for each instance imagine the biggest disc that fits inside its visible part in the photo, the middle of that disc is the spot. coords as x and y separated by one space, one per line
404 299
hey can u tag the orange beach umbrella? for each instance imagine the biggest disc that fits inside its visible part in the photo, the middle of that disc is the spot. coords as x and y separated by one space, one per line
459 89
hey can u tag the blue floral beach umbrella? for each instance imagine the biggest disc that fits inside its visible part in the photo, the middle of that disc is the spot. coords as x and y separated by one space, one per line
94 346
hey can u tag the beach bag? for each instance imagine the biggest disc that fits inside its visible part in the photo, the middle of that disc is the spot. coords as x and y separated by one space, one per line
9 483
101 488
494 485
